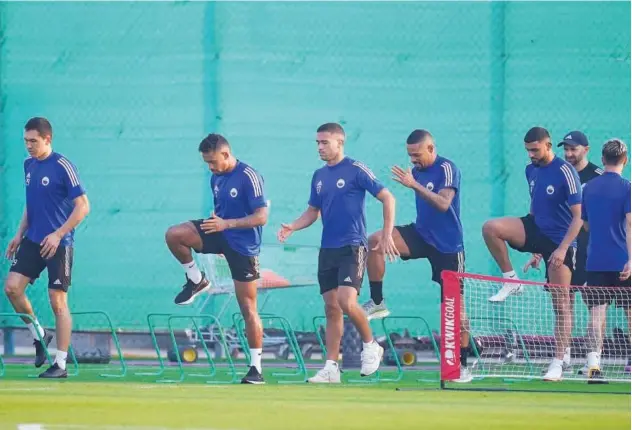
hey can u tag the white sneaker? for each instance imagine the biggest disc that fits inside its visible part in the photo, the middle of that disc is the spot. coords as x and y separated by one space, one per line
330 374
555 371
506 291
374 311
466 376
371 358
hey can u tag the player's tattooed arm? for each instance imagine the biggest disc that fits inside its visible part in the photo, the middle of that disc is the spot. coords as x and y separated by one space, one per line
440 201
216 224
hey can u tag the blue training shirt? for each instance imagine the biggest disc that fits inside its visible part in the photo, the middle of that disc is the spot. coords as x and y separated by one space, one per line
338 192
238 194
606 202
442 230
554 188
51 186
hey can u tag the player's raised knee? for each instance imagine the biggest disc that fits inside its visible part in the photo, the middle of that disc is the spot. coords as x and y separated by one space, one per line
491 228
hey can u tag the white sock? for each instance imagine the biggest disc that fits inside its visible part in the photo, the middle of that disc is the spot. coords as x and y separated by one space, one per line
510 275
60 359
592 359
255 358
368 345
331 363
567 355
192 271
35 328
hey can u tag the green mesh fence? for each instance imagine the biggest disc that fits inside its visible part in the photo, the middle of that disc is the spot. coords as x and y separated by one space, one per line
132 87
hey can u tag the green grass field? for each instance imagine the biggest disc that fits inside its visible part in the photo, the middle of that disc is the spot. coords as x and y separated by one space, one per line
89 401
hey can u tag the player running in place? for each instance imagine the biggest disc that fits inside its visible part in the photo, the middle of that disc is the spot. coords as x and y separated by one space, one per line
56 203
234 230
337 193
576 149
606 215
549 229
436 234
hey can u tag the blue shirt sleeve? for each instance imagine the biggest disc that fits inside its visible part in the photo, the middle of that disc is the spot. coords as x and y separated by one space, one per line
314 197
572 185
254 189
451 176
69 175
367 180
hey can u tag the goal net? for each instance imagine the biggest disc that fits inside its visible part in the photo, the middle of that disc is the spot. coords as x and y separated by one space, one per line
517 338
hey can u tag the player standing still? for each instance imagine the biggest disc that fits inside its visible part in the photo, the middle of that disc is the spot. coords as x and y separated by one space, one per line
436 234
606 215
55 205
549 229
234 230
337 193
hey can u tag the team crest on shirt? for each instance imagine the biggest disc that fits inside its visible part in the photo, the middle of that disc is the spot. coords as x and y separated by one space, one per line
319 186
340 183
430 186
28 178
45 181
233 192
550 190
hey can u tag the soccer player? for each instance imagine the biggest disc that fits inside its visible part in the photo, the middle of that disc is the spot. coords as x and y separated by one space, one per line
337 194
436 234
606 215
234 230
56 203
549 229
576 149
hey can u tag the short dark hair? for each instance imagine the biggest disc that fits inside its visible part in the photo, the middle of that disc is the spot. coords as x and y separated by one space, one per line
536 134
614 152
41 125
331 127
418 136
212 143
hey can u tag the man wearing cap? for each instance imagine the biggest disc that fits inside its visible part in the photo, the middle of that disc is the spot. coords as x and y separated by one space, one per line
550 229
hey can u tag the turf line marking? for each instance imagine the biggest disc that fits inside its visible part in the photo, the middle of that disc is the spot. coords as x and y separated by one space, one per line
27 389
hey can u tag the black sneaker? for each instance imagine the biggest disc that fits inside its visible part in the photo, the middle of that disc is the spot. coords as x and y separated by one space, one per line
40 351
253 377
596 377
54 372
190 291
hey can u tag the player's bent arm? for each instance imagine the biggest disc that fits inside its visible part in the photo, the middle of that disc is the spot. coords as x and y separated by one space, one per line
574 228
440 201
258 218
79 212
308 218
388 204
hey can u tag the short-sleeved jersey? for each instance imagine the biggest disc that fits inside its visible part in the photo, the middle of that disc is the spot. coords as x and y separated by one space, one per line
338 192
591 171
443 230
238 194
51 186
606 202
554 188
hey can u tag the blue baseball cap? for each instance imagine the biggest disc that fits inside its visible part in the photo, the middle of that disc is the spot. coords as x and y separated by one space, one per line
574 138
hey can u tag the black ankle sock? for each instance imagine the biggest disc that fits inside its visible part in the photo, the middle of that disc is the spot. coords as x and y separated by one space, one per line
464 352
376 291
